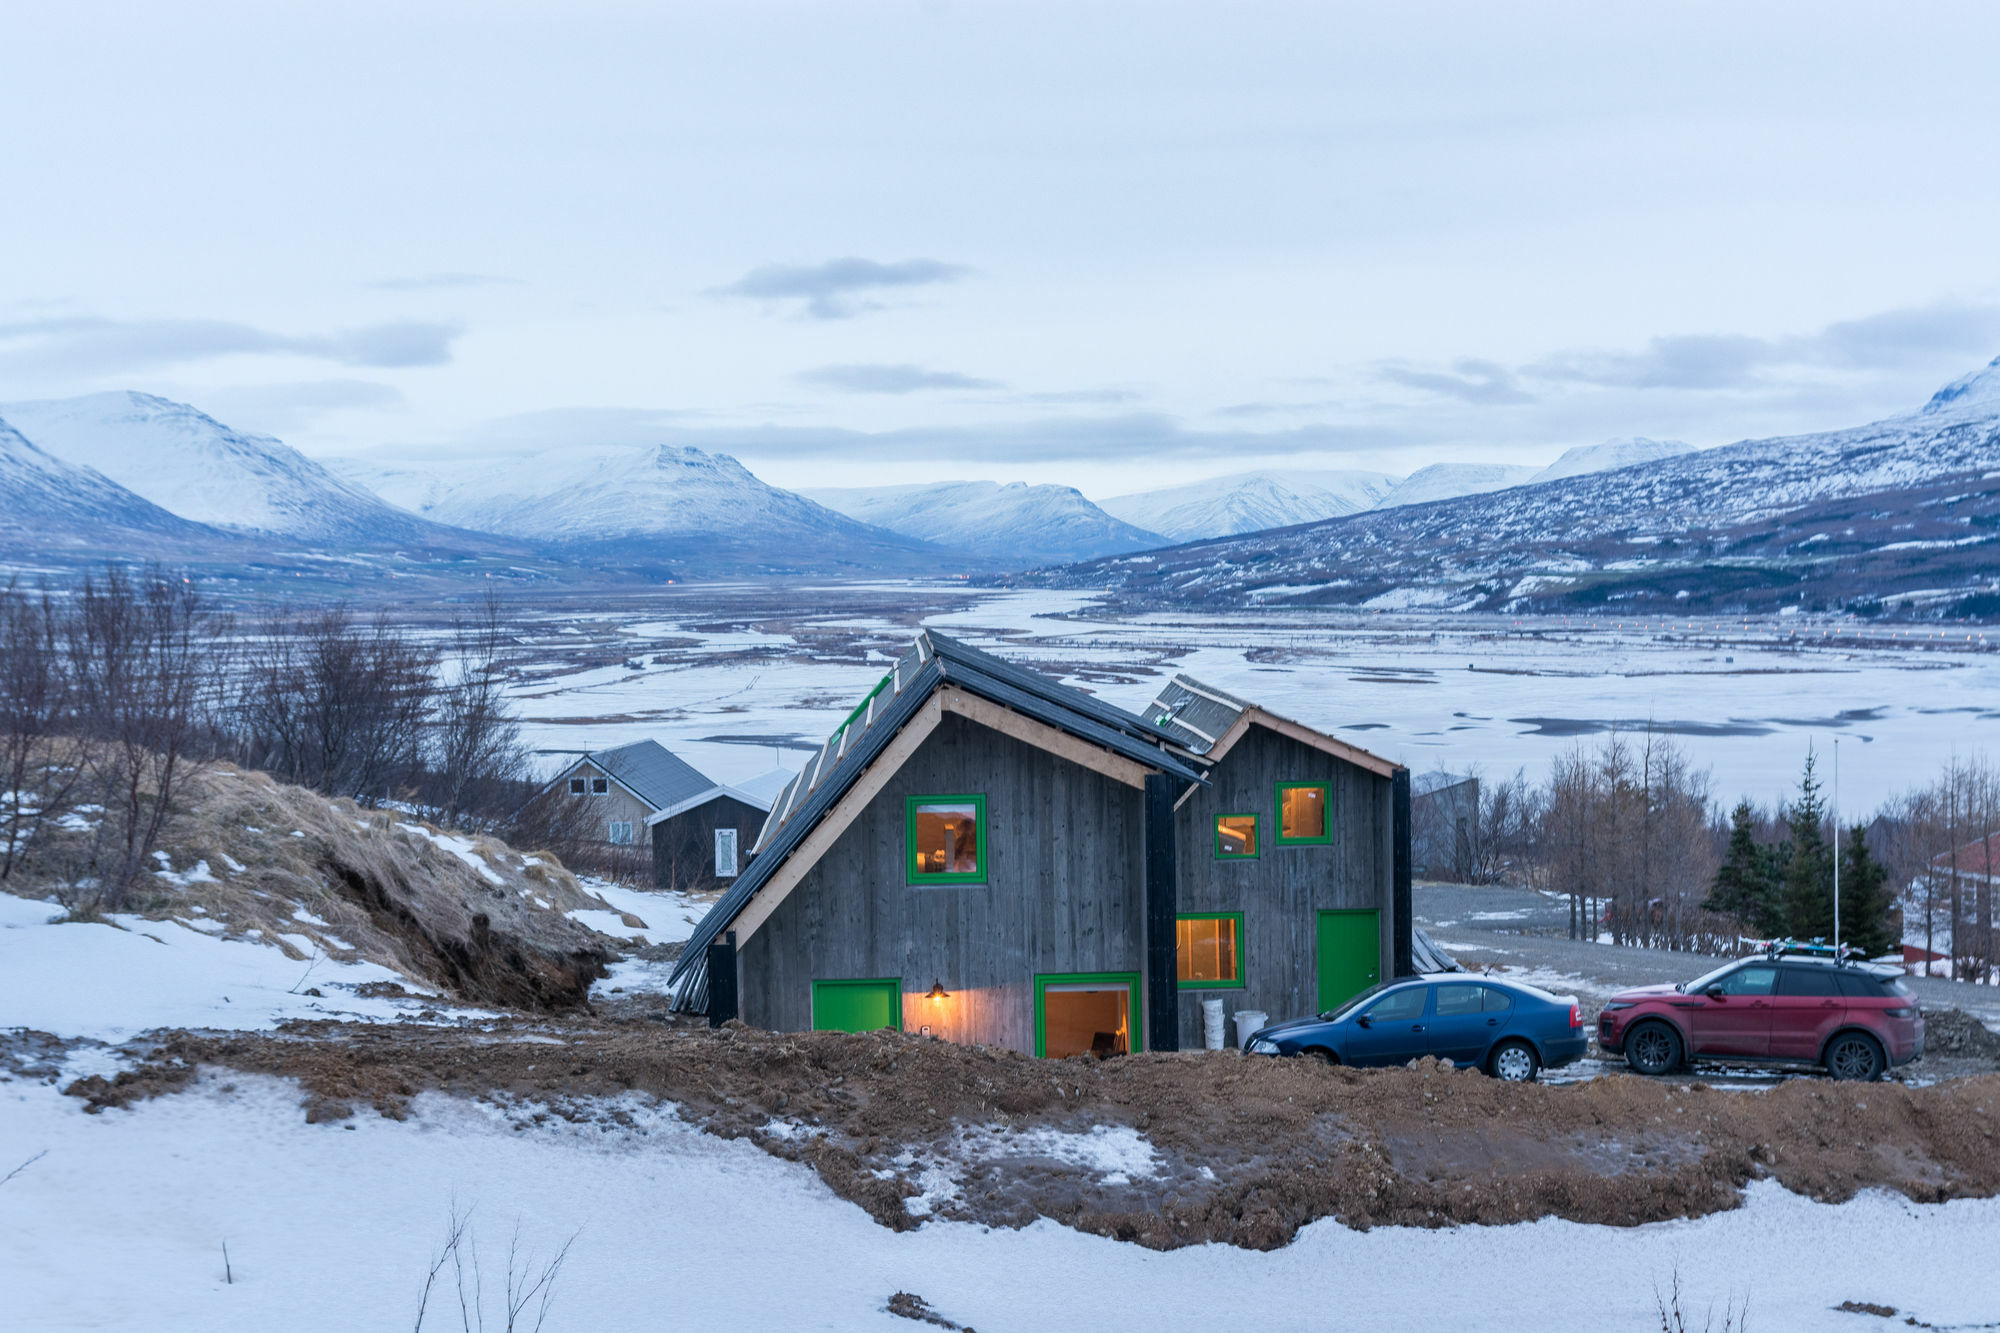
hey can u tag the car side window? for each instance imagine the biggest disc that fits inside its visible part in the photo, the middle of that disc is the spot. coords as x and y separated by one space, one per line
1497 1001
1750 981
1460 1000
1403 1006
1857 986
1807 981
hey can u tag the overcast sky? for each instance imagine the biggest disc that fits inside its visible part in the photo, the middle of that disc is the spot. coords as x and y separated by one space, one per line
1118 246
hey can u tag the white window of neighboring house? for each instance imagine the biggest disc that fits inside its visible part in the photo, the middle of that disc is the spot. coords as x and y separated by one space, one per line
621 831
576 786
725 853
599 786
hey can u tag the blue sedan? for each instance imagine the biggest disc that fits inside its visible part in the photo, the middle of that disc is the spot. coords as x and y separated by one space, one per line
1509 1030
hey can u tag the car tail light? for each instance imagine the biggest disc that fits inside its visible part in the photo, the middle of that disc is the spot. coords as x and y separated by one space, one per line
1575 1016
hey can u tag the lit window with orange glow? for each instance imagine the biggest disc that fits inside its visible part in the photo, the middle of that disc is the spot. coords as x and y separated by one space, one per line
1235 837
1210 950
947 839
1302 813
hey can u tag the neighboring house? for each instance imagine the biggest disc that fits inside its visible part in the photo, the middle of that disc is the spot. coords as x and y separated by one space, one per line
1288 860
1958 895
1444 824
644 801
985 854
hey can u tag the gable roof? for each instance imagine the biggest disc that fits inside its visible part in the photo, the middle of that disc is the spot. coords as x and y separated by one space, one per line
1424 784
1209 722
933 663
651 772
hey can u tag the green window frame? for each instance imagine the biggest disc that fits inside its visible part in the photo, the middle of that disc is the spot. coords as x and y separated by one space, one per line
977 875
1256 837
1325 790
1237 935
1135 1037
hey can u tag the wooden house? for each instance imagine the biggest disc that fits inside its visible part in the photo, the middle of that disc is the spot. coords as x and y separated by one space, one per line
987 855
644 804
1289 860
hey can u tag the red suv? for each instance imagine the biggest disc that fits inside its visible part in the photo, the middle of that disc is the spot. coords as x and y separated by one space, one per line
1853 1020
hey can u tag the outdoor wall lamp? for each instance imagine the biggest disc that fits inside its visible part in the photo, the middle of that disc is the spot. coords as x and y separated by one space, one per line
938 992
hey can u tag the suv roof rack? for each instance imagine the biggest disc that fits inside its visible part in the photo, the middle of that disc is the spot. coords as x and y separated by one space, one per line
1813 950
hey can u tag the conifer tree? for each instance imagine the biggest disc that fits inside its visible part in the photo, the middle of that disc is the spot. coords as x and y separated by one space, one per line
1745 885
1807 887
1867 904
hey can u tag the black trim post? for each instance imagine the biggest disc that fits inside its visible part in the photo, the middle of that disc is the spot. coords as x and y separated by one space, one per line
722 980
1399 834
1163 1008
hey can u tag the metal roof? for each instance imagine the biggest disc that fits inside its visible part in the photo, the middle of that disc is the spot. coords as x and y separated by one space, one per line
933 660
1423 784
652 772
1197 715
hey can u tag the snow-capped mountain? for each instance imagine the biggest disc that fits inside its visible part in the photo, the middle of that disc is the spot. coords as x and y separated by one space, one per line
1249 502
44 498
1445 481
1905 507
192 465
676 504
1588 458
1017 523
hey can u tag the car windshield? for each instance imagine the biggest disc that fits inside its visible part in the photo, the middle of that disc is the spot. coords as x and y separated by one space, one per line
1355 1002
1703 982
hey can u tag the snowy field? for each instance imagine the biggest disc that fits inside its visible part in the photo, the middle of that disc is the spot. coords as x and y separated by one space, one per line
1745 698
121 1225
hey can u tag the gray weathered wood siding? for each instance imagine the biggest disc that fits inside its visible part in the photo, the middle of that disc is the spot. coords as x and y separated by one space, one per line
684 846
1282 890
1063 893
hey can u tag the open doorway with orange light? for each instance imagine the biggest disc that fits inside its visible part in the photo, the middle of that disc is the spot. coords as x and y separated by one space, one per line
1087 1013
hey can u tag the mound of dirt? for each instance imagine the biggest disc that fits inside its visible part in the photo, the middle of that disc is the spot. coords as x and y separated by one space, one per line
1162 1149
1953 1032
252 858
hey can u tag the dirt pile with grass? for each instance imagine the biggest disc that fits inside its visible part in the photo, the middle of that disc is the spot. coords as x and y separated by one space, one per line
1162 1149
247 857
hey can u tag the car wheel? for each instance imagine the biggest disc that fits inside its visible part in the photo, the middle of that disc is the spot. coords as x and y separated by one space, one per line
1856 1056
1653 1048
1326 1057
1513 1062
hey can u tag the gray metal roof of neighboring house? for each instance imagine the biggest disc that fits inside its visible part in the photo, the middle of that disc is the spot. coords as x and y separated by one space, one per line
1423 784
652 772
932 661
1197 715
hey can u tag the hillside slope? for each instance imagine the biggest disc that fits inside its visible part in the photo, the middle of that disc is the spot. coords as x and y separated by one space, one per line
1250 502
1906 509
46 502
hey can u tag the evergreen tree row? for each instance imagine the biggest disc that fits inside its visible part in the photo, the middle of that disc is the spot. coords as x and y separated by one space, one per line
1785 889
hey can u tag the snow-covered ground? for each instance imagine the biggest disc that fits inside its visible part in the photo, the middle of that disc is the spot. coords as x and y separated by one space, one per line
121 1225
114 979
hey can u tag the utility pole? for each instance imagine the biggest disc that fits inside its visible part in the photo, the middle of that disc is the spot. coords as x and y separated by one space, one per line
1836 848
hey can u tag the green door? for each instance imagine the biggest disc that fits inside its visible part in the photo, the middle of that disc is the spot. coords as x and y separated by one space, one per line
1350 955
858 1006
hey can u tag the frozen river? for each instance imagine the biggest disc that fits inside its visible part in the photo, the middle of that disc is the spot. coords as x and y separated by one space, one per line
740 680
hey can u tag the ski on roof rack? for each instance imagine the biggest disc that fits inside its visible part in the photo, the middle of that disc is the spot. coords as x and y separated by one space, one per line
1812 948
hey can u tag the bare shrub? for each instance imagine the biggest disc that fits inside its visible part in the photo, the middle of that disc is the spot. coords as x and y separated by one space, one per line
527 1289
476 760
1674 1317
35 787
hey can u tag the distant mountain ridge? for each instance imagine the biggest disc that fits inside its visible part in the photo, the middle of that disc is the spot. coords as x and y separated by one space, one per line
48 499
1031 525
192 465
1250 502
1904 508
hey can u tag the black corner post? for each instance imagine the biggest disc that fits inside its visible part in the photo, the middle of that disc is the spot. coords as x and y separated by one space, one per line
1399 833
722 980
1163 1008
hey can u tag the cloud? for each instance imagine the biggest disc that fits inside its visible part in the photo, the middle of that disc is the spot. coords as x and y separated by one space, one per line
569 427
1480 382
833 290
891 379
1081 397
277 408
95 346
433 282
1891 340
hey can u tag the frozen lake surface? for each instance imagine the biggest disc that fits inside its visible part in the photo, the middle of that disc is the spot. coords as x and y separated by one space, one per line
743 679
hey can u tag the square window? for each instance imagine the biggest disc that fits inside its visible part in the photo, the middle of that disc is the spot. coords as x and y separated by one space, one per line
1302 812
620 831
1235 837
1210 950
599 786
576 786
947 839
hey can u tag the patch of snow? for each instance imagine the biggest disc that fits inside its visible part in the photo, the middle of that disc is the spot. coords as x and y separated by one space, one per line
462 848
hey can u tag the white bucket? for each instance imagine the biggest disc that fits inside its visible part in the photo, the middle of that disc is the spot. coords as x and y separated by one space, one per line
1211 1024
1247 1022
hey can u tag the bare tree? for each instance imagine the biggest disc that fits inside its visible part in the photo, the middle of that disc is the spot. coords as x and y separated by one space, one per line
476 754
38 776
